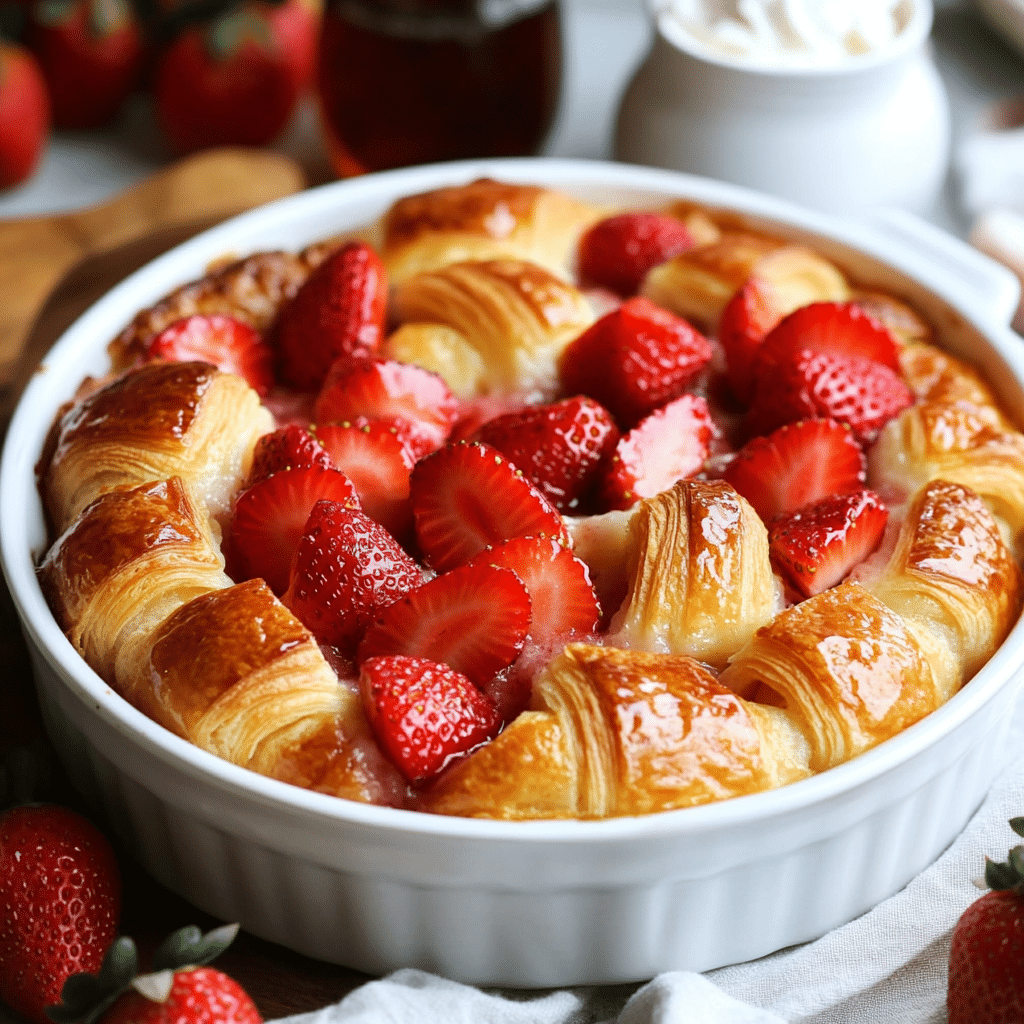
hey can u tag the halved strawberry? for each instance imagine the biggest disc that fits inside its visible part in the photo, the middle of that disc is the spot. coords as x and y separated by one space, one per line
839 328
424 714
561 447
634 359
386 389
227 343
474 619
374 456
796 465
467 496
564 602
269 518
617 252
288 447
338 311
860 392
747 318
668 445
346 568
817 546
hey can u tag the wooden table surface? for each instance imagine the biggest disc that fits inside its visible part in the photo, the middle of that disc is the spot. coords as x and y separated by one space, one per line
280 982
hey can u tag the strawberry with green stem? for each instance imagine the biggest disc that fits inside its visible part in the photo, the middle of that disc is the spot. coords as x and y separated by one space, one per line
986 959
180 988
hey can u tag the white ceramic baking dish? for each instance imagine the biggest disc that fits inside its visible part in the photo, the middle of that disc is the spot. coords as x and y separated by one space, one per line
537 903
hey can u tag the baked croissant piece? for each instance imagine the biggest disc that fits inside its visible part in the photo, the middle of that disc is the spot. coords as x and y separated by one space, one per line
616 732
845 666
482 220
132 556
701 581
517 316
953 580
164 419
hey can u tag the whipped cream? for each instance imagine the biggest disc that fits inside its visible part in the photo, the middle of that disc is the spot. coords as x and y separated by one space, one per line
791 32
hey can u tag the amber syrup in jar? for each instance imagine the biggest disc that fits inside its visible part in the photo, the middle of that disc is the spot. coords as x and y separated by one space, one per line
406 82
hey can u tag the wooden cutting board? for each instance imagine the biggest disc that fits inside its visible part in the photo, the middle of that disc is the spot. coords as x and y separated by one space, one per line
51 270
52 267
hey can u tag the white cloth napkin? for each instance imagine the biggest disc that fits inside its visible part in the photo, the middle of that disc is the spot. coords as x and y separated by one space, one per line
887 966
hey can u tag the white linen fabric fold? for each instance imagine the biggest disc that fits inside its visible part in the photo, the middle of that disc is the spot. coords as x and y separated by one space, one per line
889 965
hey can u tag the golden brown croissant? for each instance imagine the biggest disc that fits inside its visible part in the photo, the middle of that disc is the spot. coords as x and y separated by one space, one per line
698 283
237 674
953 580
846 667
615 732
955 441
701 580
130 558
161 420
518 316
482 220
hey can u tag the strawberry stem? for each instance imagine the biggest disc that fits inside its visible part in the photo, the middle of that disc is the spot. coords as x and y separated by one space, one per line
1002 877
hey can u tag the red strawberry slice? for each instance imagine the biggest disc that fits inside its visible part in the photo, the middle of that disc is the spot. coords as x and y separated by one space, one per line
474 619
290 447
747 318
560 447
386 389
564 602
860 392
617 252
227 343
269 518
838 328
424 714
374 456
634 359
669 445
467 496
817 546
797 465
346 569
339 310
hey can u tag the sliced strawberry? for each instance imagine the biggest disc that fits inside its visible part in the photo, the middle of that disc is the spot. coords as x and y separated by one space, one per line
817 546
564 602
617 252
634 359
747 318
227 343
269 518
289 447
797 465
373 455
424 714
474 619
467 496
386 389
860 392
338 311
560 447
346 569
669 445
838 328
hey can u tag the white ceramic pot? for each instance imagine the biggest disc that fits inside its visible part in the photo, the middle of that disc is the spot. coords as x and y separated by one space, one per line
873 131
544 903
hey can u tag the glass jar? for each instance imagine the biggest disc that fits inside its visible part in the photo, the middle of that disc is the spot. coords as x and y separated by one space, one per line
406 82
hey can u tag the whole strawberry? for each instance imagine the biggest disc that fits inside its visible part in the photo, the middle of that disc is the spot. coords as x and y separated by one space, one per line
180 989
60 900
986 959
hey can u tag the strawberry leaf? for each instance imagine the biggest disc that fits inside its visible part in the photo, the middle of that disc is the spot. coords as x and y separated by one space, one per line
1017 824
86 997
189 947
